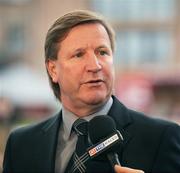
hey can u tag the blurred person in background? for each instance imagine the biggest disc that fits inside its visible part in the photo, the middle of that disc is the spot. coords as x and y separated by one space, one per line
6 110
79 50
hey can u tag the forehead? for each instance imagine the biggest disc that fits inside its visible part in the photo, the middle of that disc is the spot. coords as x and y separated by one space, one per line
87 27
87 33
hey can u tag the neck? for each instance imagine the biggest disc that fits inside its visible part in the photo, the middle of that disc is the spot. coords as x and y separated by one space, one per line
84 110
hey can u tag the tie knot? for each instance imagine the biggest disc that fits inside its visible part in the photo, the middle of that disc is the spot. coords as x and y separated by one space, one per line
80 126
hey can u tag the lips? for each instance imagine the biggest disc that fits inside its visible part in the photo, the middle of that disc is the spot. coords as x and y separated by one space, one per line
94 81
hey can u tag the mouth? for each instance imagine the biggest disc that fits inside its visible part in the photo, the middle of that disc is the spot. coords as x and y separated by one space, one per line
94 81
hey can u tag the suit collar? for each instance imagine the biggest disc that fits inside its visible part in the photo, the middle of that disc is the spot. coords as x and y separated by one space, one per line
120 114
53 122
123 120
117 111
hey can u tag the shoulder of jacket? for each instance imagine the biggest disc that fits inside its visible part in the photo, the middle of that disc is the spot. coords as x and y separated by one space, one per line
29 128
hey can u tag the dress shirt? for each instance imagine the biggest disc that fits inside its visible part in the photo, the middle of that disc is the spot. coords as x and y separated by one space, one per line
66 140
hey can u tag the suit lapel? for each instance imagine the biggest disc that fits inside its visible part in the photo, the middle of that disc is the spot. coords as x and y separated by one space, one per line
49 139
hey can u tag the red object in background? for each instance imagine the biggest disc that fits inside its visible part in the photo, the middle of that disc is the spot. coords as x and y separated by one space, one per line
135 91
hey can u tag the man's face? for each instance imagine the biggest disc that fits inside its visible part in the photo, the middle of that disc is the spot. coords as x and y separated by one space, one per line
84 67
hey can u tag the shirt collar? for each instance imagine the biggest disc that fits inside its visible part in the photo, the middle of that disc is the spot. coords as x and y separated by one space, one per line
69 118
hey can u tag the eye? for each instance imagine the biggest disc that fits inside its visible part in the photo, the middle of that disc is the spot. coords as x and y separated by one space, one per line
79 54
103 52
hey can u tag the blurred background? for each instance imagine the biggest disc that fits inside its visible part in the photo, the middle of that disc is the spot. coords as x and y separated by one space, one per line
147 57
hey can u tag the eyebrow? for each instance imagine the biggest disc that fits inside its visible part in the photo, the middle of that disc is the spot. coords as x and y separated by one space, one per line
79 49
103 46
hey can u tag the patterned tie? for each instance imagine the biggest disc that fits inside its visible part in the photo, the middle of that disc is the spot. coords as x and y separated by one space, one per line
80 155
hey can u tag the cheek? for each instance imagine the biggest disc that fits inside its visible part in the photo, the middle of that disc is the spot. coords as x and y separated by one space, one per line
109 71
69 76
62 75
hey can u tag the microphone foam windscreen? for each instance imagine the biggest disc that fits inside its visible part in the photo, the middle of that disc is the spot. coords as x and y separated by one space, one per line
100 127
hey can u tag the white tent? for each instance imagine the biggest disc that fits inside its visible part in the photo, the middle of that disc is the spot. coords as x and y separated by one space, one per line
23 86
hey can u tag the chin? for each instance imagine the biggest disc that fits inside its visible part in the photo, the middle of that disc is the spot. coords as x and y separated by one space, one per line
95 99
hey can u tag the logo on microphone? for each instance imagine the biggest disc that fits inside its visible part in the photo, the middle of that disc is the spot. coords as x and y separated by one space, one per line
103 145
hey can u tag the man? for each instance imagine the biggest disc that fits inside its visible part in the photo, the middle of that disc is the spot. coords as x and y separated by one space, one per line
79 59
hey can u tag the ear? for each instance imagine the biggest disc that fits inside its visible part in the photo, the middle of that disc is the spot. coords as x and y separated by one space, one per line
52 70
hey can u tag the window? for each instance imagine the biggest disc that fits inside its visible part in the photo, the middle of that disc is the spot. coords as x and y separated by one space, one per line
143 47
135 10
144 29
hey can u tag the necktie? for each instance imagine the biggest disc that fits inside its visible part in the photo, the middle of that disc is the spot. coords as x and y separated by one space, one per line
80 155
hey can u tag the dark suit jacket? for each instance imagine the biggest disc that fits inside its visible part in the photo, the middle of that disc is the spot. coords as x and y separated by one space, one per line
149 144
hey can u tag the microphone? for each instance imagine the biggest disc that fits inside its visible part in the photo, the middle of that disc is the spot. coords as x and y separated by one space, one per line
105 139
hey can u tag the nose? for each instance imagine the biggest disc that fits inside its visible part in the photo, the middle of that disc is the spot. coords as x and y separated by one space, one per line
93 63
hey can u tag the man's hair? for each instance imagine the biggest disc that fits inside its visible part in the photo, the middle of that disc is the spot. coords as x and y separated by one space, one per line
60 29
